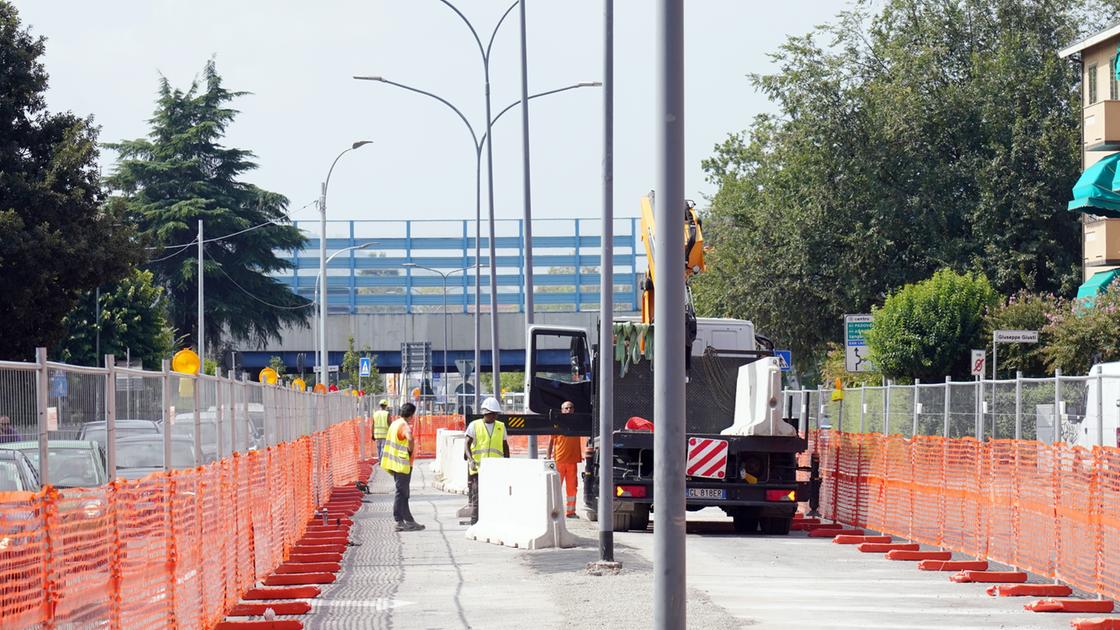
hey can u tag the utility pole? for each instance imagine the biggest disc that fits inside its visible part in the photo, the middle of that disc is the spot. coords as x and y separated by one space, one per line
606 301
669 584
201 310
527 210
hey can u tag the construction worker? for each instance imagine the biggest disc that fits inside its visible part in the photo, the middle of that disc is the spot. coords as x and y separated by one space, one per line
565 451
397 461
381 425
483 439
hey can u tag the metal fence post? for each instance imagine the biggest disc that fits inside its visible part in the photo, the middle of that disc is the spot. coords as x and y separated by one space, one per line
804 413
230 384
42 390
165 412
1057 436
887 408
110 416
1100 405
917 405
862 404
197 418
948 403
219 417
1019 406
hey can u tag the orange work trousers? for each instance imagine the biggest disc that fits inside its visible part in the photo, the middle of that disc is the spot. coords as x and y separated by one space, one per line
568 479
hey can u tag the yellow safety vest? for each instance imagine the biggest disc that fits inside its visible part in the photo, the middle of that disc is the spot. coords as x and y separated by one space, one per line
380 424
487 444
395 457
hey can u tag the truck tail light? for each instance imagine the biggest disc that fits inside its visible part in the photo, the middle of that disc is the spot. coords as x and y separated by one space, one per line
634 492
780 495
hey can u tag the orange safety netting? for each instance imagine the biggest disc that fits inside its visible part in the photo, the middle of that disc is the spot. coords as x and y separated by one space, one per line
424 430
174 549
1052 509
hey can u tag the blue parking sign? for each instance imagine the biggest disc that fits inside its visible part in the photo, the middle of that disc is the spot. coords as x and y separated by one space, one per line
785 359
59 385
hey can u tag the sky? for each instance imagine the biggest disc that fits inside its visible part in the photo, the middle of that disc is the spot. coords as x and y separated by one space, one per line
105 58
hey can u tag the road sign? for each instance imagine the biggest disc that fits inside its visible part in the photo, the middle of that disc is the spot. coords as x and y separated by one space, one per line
855 346
1016 336
465 367
59 385
785 359
332 368
979 361
365 366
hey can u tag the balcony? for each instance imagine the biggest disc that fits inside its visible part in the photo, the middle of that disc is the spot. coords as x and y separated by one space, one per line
1102 126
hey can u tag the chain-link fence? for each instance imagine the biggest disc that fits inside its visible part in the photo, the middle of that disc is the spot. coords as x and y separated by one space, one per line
1081 410
95 424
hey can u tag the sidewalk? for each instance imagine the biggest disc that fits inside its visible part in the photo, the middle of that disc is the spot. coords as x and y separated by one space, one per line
437 578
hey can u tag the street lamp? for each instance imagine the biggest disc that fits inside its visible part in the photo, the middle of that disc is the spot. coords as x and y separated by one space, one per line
322 341
478 142
445 344
323 261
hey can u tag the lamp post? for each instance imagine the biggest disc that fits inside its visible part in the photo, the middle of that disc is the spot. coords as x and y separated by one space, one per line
445 345
323 261
321 341
478 142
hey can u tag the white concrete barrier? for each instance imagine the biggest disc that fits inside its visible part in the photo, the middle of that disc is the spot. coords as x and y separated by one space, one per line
455 464
519 505
442 436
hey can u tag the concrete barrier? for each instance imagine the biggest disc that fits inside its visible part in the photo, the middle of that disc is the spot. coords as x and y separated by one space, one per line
452 463
443 436
520 505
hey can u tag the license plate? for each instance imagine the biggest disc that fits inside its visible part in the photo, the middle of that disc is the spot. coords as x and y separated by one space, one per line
706 493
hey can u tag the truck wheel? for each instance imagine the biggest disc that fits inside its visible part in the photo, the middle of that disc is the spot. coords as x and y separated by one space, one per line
776 525
745 523
621 521
639 518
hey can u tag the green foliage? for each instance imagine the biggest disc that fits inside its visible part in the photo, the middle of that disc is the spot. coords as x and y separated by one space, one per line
210 366
511 382
350 368
56 239
926 330
182 173
132 323
277 364
929 135
833 367
1080 335
1022 311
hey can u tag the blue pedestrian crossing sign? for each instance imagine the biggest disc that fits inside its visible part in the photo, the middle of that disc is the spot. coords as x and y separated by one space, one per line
365 366
785 359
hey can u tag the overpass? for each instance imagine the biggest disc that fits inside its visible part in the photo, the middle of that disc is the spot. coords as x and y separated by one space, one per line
394 289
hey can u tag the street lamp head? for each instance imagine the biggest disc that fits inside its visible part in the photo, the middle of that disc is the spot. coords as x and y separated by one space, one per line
361 143
409 264
360 78
590 84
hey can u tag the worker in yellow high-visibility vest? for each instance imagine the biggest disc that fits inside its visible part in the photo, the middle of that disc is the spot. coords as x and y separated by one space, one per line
381 425
397 461
486 437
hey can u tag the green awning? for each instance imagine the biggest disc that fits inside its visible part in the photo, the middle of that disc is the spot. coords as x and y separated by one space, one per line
1096 285
1096 190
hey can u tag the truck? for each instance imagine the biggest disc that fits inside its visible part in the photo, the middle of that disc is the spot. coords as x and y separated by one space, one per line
742 453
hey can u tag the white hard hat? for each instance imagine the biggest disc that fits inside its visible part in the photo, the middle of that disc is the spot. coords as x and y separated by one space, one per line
491 404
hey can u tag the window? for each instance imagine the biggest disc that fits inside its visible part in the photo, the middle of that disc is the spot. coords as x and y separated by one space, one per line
1091 83
1112 93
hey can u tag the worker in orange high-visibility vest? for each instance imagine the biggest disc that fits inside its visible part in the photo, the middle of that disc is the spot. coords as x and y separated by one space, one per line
396 459
565 451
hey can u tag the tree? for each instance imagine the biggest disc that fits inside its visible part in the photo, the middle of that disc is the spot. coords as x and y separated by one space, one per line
899 148
511 382
277 365
926 330
1022 311
130 321
181 174
1081 334
57 240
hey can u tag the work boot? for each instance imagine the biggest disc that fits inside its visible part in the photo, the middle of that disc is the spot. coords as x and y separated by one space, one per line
401 526
571 515
413 526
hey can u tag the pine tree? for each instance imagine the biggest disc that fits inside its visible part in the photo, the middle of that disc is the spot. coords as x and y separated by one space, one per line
182 173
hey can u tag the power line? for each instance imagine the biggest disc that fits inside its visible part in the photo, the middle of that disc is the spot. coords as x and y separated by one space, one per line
248 229
262 301
182 248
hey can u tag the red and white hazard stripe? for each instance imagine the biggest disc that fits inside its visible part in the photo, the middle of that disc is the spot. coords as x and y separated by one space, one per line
707 458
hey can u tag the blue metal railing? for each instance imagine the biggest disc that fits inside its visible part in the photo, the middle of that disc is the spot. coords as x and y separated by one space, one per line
565 258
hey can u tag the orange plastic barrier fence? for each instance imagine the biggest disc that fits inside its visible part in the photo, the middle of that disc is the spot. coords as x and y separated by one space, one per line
173 549
1052 509
424 433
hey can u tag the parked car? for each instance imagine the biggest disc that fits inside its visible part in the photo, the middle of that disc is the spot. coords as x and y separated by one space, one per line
17 473
140 455
247 439
73 463
96 431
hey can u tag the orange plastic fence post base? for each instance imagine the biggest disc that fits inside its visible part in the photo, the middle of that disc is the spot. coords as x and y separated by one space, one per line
952 565
280 608
1096 623
919 555
309 567
315 557
329 539
294 592
807 524
989 576
319 548
341 520
828 525
871 547
859 540
1070 605
292 579
1030 590
286 624
831 533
